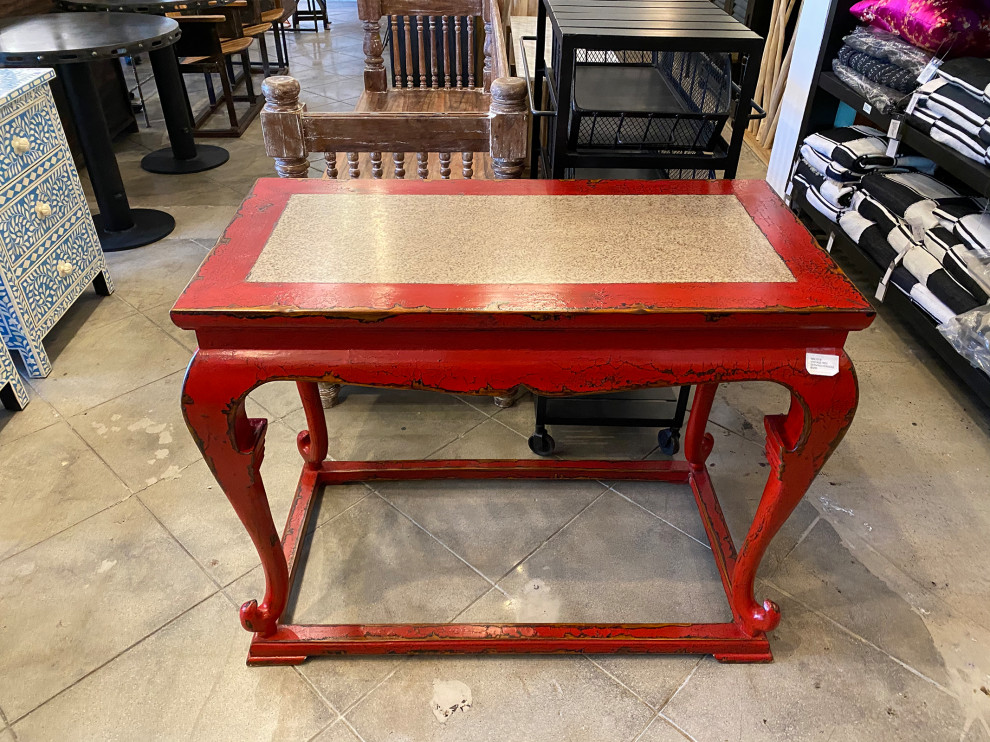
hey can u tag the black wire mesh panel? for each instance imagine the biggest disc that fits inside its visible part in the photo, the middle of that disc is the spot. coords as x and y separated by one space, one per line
661 102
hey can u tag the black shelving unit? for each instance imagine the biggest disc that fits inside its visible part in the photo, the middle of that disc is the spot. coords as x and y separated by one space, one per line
827 92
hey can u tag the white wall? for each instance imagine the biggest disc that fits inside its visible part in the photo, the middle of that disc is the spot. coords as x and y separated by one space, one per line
809 39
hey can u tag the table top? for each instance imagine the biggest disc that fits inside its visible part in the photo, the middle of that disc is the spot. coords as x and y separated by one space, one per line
154 7
63 38
689 21
374 249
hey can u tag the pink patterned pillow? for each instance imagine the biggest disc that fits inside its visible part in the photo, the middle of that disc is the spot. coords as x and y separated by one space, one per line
948 28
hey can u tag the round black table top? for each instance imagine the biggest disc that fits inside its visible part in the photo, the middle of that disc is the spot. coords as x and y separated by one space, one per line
64 38
141 6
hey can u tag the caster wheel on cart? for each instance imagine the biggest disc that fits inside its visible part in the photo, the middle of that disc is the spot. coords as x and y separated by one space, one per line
541 444
669 440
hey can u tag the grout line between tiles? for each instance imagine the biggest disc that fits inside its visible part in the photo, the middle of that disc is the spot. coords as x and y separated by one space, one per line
319 694
324 728
457 438
801 538
662 715
861 639
182 546
360 699
428 533
125 650
681 686
663 520
619 682
347 723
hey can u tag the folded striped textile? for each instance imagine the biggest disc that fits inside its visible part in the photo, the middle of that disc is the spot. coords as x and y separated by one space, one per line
878 70
912 197
974 229
954 104
901 278
951 210
923 266
849 152
802 190
972 74
870 238
952 136
835 192
962 263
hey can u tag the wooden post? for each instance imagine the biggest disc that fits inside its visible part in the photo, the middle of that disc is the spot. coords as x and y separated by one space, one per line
281 126
509 126
370 13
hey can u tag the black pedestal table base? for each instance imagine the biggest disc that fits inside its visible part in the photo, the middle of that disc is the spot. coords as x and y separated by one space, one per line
149 225
164 161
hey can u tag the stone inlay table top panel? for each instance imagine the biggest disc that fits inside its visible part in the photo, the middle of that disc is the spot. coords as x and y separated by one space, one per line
503 239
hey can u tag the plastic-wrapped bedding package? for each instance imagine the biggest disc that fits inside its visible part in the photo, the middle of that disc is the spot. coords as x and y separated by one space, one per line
849 152
923 266
969 334
912 197
970 269
951 28
878 71
888 47
954 105
902 278
870 238
803 190
881 97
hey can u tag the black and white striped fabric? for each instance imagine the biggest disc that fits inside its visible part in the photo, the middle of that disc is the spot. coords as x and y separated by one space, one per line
972 74
803 190
854 151
870 238
902 278
955 105
965 265
834 192
974 229
912 197
952 136
923 266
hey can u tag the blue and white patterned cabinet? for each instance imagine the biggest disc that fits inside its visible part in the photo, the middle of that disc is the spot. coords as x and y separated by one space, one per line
49 250
13 391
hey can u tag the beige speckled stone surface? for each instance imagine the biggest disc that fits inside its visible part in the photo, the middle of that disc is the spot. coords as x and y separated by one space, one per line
370 238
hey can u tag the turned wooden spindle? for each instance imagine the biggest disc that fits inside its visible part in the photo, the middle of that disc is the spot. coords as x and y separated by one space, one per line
423 165
376 165
470 50
399 159
434 72
509 110
375 76
353 168
331 159
396 60
489 47
445 165
467 165
279 118
458 45
407 28
422 51
446 53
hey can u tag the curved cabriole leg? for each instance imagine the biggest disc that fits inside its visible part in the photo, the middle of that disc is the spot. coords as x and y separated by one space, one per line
313 442
697 443
233 445
798 445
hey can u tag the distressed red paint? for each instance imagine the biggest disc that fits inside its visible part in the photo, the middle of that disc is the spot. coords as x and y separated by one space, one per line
483 339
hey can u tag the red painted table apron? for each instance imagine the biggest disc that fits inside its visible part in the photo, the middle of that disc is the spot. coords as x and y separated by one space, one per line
479 287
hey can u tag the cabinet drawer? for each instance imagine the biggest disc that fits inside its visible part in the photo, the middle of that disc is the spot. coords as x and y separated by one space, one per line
28 217
27 136
62 271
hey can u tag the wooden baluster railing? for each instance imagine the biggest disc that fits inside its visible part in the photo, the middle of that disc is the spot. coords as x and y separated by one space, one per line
435 82
422 51
376 165
423 165
458 64
399 159
467 165
331 158
446 53
407 28
396 57
280 121
375 76
352 165
470 50
445 165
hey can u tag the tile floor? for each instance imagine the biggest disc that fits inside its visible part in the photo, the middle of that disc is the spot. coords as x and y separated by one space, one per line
121 564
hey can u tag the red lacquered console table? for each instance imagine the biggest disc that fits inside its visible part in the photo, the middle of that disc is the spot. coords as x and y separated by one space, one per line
479 287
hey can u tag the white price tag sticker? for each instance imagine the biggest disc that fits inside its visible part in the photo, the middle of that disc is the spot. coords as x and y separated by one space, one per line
913 104
821 364
867 108
930 69
894 130
892 146
831 242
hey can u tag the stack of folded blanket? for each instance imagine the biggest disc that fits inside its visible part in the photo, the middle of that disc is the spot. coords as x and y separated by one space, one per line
880 66
909 224
833 163
954 107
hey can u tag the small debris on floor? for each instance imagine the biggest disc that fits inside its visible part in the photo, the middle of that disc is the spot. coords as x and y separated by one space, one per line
450 696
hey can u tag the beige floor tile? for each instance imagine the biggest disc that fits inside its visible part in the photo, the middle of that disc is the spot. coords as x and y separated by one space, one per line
97 364
6 735
374 424
343 88
276 399
822 684
74 601
344 680
490 440
338 732
652 678
188 681
200 221
91 310
512 698
141 435
661 730
614 564
160 316
50 481
824 573
493 524
372 565
194 508
37 415
148 279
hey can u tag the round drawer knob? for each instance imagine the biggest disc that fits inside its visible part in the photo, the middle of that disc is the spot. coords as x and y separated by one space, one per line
64 268
42 209
20 145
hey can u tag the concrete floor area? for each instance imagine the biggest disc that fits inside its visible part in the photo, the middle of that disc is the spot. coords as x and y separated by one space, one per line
122 564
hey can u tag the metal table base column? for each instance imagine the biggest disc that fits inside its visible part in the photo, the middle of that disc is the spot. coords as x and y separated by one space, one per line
119 226
184 155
